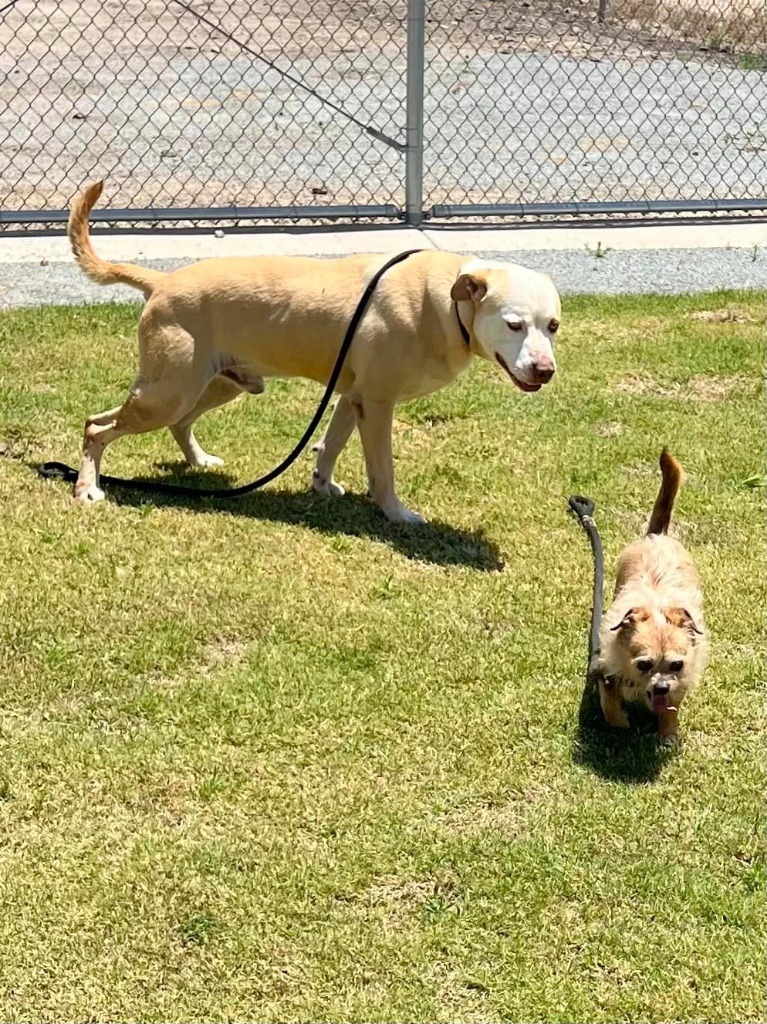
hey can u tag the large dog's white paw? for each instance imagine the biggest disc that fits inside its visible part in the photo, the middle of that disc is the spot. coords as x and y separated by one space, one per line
88 495
205 461
399 514
323 486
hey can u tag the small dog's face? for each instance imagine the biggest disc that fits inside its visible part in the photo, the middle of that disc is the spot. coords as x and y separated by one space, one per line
517 312
656 656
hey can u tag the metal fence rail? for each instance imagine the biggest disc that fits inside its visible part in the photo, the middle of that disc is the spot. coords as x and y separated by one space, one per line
338 109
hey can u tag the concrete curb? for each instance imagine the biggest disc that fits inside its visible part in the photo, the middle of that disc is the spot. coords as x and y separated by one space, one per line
164 245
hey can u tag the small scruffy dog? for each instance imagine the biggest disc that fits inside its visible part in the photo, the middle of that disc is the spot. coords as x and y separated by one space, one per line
653 639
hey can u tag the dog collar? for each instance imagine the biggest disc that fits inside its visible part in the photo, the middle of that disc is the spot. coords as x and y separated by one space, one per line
464 333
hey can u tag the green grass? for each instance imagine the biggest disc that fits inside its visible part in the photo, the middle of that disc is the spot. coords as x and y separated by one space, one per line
279 760
752 62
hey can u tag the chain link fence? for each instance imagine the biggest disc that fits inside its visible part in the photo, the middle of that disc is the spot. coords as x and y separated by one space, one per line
265 109
644 104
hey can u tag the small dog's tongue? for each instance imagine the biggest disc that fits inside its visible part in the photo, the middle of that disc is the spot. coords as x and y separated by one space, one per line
660 702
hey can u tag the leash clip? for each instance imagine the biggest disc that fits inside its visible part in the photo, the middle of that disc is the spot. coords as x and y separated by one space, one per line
582 507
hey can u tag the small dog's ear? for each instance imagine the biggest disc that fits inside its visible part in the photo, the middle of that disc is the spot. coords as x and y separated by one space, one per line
682 618
628 620
468 287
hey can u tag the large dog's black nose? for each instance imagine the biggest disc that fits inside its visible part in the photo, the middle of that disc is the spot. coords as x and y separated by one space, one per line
661 688
543 370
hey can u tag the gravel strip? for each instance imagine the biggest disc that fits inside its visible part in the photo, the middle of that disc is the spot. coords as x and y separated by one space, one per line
660 271
649 271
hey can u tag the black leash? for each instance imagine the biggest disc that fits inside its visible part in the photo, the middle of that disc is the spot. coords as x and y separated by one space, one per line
60 471
464 333
584 510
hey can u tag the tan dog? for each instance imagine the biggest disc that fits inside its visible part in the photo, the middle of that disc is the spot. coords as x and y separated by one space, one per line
217 328
654 646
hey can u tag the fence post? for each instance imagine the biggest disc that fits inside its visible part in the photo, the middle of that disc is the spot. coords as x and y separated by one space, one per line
414 114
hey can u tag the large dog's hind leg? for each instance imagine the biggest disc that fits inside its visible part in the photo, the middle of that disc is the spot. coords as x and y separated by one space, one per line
330 446
218 392
148 407
374 422
162 394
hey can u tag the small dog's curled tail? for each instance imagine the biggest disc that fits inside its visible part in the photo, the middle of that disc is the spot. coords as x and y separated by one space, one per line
673 477
99 270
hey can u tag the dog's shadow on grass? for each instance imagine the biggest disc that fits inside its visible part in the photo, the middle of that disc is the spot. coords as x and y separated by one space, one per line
350 515
631 755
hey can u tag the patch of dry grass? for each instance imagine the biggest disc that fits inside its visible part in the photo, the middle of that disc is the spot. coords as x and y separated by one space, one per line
737 25
701 388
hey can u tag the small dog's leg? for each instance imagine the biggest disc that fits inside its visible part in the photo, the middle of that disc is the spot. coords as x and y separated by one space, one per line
330 446
374 422
612 708
668 726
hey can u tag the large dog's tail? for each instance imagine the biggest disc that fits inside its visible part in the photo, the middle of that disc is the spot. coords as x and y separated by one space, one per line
97 269
673 477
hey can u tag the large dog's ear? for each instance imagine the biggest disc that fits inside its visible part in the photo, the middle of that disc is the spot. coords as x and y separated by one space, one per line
468 287
682 618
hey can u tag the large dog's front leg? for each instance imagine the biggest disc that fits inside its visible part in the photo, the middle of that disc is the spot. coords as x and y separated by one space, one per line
329 448
374 422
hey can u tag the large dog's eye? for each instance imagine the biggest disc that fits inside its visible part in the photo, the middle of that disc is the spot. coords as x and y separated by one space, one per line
553 326
676 666
644 664
514 325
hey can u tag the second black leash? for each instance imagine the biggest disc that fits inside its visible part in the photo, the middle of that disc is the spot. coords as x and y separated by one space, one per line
584 510
60 471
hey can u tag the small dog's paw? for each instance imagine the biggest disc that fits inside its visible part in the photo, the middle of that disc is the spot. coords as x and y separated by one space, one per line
671 742
328 487
617 720
88 495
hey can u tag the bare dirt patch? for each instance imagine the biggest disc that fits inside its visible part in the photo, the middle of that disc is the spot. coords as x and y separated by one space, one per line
399 896
508 816
218 651
612 429
722 316
702 388
402 899
221 649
